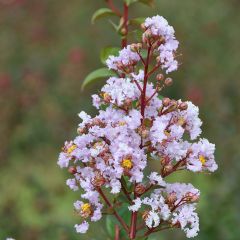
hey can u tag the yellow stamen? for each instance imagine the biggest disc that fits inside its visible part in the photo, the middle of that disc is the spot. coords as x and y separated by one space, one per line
127 163
71 149
97 144
181 121
202 159
86 209
122 123
167 133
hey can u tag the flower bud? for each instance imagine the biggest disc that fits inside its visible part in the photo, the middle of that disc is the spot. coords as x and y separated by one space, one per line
191 197
134 47
80 130
123 31
140 189
145 134
72 170
143 27
98 181
158 59
128 102
166 102
145 215
139 45
173 104
165 160
168 82
183 106
160 77
167 169
96 121
172 198
106 97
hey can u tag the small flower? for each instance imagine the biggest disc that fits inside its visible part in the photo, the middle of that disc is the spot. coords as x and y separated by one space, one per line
82 228
136 206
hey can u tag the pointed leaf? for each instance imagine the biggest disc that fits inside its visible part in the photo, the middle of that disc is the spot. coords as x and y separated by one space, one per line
108 51
137 21
147 2
96 75
102 12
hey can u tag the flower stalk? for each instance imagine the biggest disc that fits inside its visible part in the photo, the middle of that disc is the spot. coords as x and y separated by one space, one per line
134 126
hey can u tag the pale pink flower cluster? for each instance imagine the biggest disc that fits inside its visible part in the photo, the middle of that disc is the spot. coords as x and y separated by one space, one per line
117 144
159 27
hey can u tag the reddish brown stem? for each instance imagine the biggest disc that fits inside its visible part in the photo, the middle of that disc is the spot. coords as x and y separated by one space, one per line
124 225
125 26
126 192
113 8
117 232
133 227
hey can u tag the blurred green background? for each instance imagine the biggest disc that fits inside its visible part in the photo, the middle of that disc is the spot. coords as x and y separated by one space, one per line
46 50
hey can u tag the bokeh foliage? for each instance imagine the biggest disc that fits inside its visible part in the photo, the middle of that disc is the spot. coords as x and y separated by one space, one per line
46 50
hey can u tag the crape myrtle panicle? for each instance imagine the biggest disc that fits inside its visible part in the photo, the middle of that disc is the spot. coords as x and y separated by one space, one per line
135 124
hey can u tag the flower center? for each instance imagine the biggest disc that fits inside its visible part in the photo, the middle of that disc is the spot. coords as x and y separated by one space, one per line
202 159
86 210
71 149
127 163
181 121
122 123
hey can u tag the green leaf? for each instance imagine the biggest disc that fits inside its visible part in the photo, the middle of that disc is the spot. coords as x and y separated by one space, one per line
147 2
97 74
129 2
108 51
137 21
100 13
110 225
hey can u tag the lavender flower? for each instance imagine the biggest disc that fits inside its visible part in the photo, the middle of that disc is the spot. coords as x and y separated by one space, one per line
134 124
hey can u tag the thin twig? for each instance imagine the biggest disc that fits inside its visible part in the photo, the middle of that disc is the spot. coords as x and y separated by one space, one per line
124 225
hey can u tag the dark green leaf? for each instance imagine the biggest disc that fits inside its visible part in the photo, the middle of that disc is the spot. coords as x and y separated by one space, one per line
108 51
147 2
97 74
137 21
102 12
110 225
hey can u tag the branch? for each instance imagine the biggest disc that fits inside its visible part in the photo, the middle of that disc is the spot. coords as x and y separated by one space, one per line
124 225
113 8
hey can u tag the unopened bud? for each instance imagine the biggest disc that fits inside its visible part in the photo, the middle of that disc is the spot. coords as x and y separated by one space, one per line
164 161
128 101
158 59
139 45
96 121
80 130
143 27
134 47
183 106
173 104
98 181
72 170
148 33
123 31
144 133
172 198
166 102
160 77
168 82
140 189
168 169
106 97
191 197
145 215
